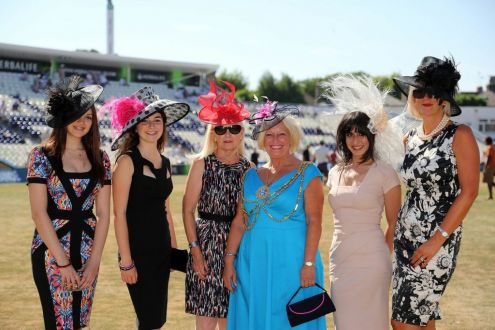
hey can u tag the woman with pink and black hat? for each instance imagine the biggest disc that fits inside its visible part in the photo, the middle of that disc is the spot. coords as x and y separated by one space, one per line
143 221
441 173
213 188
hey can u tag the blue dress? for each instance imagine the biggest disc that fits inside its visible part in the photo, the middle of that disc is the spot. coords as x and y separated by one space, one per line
271 253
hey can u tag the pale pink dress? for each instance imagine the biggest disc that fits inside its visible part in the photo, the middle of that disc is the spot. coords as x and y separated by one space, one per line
360 263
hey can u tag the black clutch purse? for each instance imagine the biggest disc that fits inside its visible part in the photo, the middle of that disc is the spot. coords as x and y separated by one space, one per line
178 260
310 308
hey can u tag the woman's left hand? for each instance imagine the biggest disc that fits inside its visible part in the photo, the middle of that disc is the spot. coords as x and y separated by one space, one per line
422 256
89 273
308 276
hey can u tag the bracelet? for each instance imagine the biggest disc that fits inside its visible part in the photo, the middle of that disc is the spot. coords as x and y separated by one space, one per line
193 244
63 266
443 232
126 268
230 254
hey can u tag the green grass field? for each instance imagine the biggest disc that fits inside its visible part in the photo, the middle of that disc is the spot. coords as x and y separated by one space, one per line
469 302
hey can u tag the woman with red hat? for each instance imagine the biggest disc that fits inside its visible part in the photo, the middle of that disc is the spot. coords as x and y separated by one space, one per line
213 187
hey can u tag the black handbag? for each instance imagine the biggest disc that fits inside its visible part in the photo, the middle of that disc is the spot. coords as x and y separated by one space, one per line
178 259
310 308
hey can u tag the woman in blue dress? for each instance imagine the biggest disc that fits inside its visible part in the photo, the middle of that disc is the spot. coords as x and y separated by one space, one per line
272 247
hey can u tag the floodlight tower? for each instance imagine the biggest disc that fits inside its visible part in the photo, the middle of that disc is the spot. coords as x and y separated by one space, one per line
109 27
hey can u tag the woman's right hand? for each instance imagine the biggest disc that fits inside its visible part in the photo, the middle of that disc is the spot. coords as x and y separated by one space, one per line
199 265
129 276
70 278
229 276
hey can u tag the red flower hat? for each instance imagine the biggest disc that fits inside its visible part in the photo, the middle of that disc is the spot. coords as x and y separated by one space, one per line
220 108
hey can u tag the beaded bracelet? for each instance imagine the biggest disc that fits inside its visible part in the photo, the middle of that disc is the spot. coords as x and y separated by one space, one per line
126 268
63 266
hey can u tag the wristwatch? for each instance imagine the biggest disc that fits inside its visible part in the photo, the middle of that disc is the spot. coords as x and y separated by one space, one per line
309 264
443 232
193 244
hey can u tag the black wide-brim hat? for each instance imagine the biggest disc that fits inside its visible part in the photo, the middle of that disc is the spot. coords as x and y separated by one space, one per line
67 102
440 76
173 110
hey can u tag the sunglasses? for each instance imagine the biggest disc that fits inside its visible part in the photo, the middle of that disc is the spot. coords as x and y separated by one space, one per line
422 92
233 129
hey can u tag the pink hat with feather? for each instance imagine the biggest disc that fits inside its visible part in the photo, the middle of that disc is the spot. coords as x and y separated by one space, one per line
127 112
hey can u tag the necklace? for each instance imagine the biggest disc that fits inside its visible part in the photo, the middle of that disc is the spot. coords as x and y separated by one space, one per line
264 191
78 152
441 125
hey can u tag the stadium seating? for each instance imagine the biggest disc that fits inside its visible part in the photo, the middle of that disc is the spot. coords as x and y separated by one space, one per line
22 121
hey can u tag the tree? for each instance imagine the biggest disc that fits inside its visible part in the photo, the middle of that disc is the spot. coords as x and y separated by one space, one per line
288 90
469 99
267 86
387 83
235 77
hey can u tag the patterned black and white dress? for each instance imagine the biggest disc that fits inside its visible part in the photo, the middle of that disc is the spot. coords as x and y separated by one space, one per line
216 209
430 174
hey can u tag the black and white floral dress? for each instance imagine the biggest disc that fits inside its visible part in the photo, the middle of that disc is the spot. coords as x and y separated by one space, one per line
430 174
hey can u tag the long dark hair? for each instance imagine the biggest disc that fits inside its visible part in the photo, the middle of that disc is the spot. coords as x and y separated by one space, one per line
132 138
55 146
357 121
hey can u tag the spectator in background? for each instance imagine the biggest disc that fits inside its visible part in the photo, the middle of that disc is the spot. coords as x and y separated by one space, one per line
320 157
103 80
332 159
489 171
24 76
306 154
15 105
61 71
254 157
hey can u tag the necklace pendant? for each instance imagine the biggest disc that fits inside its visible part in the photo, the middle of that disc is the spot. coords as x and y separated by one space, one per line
263 192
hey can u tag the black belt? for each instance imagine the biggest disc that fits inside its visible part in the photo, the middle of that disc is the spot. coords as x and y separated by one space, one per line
215 217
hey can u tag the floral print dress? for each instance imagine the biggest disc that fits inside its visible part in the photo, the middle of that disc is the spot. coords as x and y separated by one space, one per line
430 174
70 207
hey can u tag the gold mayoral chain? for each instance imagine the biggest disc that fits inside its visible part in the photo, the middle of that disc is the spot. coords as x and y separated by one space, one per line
265 198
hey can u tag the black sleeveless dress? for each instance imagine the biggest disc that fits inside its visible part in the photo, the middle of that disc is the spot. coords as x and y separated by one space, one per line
149 239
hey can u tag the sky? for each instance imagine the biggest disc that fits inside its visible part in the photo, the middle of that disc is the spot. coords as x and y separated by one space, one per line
304 39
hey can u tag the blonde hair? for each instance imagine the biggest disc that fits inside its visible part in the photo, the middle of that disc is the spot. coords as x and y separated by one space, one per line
295 134
210 145
411 107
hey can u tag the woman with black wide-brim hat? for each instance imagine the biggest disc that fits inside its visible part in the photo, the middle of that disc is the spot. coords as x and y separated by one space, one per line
142 186
441 187
67 175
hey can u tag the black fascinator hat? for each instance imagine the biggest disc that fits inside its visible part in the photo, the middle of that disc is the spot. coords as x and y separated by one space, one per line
67 101
438 76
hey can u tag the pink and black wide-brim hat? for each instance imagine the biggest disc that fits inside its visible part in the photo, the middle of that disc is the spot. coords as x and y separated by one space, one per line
439 76
129 111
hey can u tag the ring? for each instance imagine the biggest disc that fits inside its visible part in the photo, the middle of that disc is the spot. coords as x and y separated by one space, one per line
422 259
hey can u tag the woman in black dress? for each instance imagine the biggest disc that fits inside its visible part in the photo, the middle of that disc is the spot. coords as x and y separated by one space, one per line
66 176
143 221
441 173
213 187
